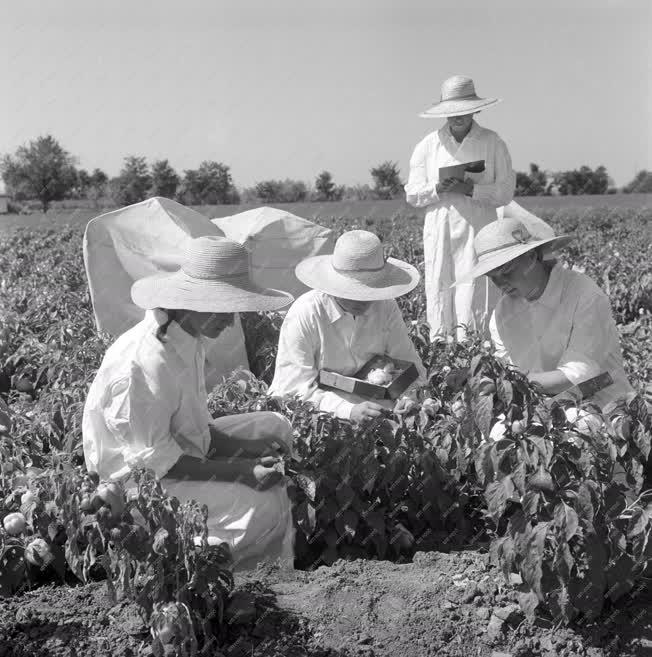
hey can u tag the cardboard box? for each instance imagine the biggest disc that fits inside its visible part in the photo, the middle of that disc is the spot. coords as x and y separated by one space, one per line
406 375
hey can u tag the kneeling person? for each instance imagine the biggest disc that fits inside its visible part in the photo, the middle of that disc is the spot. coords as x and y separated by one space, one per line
552 322
348 316
147 406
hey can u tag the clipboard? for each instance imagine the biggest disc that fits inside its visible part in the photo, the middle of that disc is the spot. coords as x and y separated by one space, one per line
458 170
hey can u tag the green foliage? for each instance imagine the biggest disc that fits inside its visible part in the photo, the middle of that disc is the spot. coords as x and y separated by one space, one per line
211 183
325 188
534 183
42 170
480 458
164 180
387 181
279 191
581 181
642 183
133 183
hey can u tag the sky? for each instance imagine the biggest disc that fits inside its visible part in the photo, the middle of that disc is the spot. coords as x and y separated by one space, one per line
289 88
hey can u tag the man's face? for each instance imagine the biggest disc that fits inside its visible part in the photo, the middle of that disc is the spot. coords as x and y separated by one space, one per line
460 124
352 306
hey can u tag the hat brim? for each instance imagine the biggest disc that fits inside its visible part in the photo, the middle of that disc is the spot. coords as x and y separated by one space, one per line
499 258
179 291
458 108
394 280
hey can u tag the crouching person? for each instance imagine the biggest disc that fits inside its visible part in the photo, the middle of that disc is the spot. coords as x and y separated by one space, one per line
553 323
348 316
147 406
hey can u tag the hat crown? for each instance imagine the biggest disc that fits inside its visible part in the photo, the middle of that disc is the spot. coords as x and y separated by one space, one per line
500 235
358 251
215 258
457 87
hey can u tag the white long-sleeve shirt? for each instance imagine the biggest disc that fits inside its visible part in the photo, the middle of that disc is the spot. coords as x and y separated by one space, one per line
493 187
317 334
568 328
147 404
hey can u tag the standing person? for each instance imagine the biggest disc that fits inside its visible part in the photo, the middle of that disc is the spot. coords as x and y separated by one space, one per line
553 323
457 207
349 316
147 406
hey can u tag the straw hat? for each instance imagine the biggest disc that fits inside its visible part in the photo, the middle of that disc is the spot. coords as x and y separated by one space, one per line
214 277
458 98
503 241
358 270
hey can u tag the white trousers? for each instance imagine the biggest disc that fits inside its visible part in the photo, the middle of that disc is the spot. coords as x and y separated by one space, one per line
257 525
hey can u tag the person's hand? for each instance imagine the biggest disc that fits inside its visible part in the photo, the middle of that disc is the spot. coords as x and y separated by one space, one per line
265 472
404 405
366 411
455 186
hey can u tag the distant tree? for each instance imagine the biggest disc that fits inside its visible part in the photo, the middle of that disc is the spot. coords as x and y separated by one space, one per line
387 181
82 184
97 188
642 183
249 196
293 191
41 170
268 191
211 184
98 178
534 183
165 180
281 191
582 181
358 193
134 181
325 188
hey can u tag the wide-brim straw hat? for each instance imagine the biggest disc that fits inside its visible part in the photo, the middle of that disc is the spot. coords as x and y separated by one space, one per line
214 277
504 240
458 98
358 270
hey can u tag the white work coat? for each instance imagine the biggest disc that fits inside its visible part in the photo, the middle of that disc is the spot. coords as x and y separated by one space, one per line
452 221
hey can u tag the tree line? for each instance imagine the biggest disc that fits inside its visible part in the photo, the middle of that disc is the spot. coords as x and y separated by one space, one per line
43 170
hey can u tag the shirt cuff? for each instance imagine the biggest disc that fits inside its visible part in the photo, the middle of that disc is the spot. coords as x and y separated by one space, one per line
160 459
423 197
343 410
578 371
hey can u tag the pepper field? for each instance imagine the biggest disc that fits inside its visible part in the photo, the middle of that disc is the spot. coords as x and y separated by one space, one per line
414 535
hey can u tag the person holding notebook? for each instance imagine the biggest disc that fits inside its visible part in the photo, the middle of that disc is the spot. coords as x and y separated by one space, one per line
461 174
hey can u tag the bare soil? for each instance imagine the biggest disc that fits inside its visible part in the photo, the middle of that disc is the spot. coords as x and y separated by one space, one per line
446 605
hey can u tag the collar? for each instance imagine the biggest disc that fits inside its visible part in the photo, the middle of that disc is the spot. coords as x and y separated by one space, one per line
184 344
472 134
333 311
551 295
